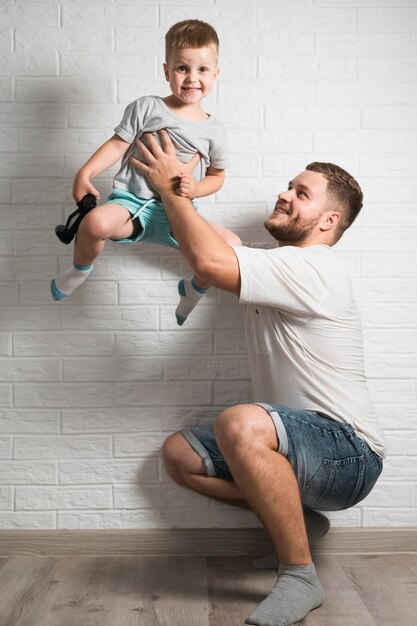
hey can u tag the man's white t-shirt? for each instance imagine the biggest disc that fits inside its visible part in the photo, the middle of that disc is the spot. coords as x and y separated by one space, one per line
304 335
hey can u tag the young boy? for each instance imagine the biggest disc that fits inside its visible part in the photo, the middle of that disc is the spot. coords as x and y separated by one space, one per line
133 211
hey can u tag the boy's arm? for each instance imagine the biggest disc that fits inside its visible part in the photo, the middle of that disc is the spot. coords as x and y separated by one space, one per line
190 188
107 155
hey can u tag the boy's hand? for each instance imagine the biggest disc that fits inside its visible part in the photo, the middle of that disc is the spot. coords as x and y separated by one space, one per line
162 167
82 186
187 187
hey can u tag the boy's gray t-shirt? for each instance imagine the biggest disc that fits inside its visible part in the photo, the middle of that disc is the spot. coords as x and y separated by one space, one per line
150 114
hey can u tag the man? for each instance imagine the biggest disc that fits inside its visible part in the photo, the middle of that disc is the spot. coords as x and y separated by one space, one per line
312 438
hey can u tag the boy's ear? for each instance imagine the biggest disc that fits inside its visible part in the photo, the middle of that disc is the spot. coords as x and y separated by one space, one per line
166 72
216 73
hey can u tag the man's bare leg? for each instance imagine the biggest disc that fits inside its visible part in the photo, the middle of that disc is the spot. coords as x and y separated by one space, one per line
247 439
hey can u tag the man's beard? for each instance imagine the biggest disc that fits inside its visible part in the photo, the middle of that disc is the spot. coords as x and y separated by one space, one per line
293 232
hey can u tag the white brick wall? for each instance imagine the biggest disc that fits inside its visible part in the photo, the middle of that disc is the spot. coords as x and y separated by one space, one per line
89 388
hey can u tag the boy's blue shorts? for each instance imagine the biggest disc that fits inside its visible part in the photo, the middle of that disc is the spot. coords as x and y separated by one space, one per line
150 217
334 467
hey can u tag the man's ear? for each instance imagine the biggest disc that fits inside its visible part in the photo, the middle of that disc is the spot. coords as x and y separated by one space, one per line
330 220
166 72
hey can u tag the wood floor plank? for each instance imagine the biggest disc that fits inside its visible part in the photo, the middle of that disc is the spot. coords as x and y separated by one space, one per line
387 589
137 591
235 588
343 605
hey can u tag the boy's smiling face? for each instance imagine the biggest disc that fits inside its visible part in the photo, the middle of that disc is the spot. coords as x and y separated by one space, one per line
191 73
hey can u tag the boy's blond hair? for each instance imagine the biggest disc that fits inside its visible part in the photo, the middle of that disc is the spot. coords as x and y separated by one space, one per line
190 34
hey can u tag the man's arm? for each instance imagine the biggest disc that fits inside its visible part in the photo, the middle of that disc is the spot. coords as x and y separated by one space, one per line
210 257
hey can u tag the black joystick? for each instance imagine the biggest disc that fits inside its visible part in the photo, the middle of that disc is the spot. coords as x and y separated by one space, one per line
66 232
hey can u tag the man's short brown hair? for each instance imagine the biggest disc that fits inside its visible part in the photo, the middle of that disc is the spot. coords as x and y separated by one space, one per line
344 189
190 34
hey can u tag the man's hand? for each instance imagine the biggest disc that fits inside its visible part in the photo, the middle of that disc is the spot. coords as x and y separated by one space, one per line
162 167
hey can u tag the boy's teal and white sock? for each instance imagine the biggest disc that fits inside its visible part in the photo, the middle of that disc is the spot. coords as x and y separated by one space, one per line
191 295
67 281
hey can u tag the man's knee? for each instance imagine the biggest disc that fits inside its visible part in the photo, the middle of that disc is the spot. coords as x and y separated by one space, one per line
245 426
180 459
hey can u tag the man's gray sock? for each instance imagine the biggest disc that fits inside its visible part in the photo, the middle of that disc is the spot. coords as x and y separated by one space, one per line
296 592
317 525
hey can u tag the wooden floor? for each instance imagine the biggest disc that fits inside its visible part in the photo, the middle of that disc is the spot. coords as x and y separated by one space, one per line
367 590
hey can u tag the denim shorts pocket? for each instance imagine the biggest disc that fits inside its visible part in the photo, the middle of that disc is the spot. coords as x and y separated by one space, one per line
336 484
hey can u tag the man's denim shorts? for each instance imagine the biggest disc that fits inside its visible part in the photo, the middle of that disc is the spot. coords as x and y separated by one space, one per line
334 467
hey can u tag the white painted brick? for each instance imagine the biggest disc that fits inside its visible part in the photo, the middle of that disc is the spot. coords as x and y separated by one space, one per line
382 214
42 244
6 190
411 443
30 318
108 472
14 421
5 395
5 40
390 517
387 19
235 91
128 268
33 116
400 166
111 420
110 318
23 369
389 264
90 115
380 342
60 140
46 498
5 447
229 393
82 15
403 390
226 18
398 415
65 395
204 317
265 42
173 496
149 292
229 342
8 140
317 116
399 468
358 92
306 68
5 90
108 65
305 19
17 520
392 366
93 293
164 343
5 339
162 394
26 217
139 40
28 473
133 445
18 268
366 44
129 90
197 517
393 116
391 315
62 447
376 290
206 368
348 518
6 502
6 246
30 64
111 369
59 89
24 166
27 14
63 343
147 518
63 40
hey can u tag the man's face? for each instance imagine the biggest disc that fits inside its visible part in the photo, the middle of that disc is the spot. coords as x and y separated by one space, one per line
299 210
